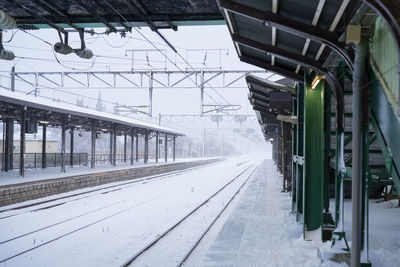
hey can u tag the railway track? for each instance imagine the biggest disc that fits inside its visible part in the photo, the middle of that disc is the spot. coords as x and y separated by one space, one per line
163 235
108 189
102 190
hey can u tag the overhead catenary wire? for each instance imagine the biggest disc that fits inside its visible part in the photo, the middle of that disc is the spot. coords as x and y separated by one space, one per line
119 14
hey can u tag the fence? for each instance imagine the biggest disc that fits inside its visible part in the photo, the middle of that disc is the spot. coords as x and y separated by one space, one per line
34 160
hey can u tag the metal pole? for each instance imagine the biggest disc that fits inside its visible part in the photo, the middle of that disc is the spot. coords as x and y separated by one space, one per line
157 148
71 148
166 147
137 147
63 145
111 148
4 147
9 145
283 154
173 150
93 147
132 139
201 92
114 161
300 152
22 145
146 146
150 93
125 148
358 76
44 128
13 79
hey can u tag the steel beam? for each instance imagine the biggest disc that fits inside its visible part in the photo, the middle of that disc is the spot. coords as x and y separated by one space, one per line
44 140
313 160
292 26
22 144
275 69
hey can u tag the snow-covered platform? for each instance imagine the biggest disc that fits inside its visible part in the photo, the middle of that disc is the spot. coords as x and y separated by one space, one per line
259 230
42 183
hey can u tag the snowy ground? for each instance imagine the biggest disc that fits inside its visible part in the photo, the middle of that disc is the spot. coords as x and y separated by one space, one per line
12 177
260 231
384 231
107 227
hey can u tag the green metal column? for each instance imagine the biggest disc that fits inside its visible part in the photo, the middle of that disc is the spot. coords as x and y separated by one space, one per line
327 128
300 151
339 236
294 153
338 174
313 159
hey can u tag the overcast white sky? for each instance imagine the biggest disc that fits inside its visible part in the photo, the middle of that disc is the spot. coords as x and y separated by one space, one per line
165 101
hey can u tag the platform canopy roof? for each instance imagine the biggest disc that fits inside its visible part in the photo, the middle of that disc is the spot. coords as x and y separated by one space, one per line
292 38
289 37
53 113
31 14
269 99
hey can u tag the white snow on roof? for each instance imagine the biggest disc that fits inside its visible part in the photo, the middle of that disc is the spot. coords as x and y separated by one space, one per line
46 104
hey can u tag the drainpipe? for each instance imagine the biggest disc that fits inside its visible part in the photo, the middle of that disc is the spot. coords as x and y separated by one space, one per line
358 77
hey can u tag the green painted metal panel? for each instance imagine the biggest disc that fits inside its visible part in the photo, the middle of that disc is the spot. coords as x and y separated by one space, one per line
313 190
384 61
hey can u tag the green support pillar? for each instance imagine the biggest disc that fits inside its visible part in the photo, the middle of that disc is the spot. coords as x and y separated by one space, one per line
339 236
294 153
327 128
300 151
313 159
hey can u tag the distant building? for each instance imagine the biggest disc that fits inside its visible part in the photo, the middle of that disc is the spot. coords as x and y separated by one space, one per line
32 145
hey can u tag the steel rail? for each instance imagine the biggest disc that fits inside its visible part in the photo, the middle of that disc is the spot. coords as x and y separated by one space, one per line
77 229
161 236
189 252
134 181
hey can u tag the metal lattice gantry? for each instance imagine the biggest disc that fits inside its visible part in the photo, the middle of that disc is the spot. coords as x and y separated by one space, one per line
140 79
